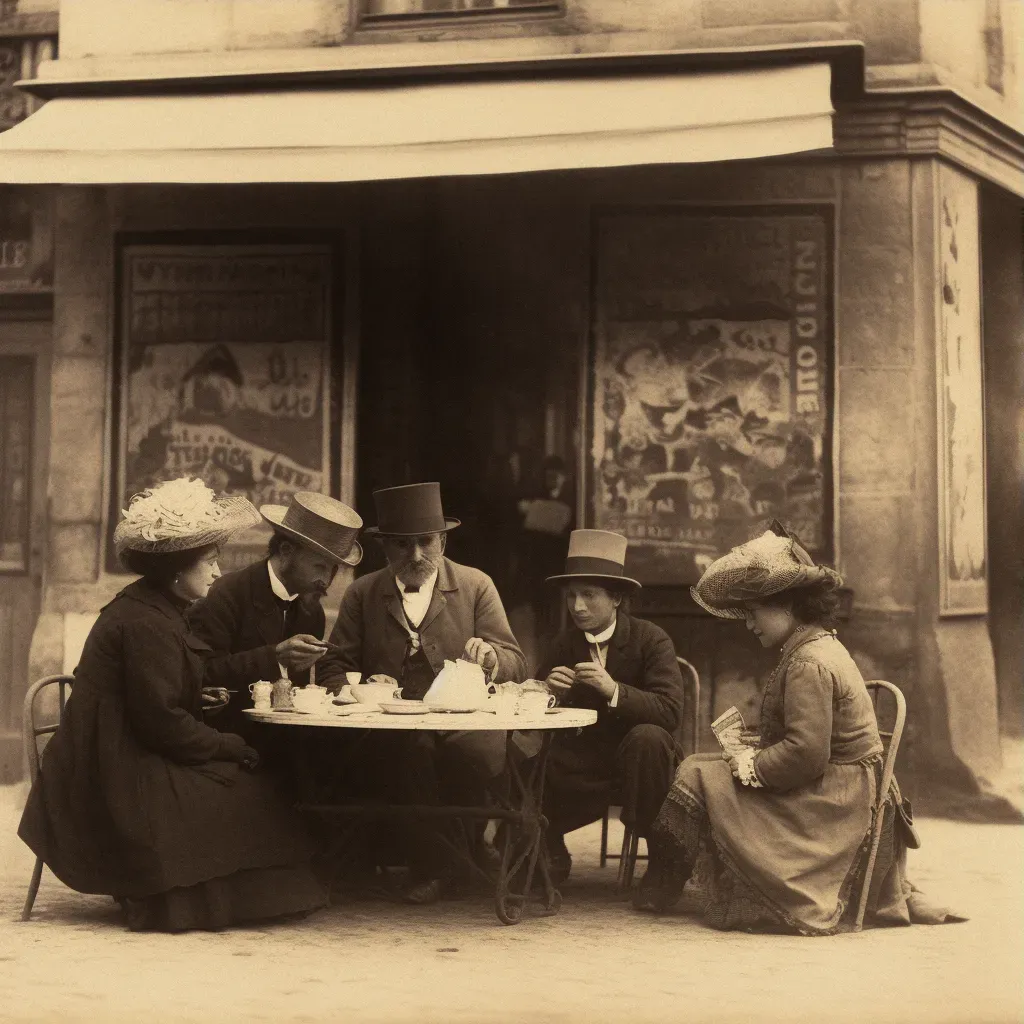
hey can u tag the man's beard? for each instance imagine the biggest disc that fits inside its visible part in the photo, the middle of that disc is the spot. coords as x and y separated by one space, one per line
416 573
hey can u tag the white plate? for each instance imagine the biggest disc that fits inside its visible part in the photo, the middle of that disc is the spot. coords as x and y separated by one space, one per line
404 707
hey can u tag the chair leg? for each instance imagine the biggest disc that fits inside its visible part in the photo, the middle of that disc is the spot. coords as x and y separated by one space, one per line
627 843
33 888
869 869
634 849
604 838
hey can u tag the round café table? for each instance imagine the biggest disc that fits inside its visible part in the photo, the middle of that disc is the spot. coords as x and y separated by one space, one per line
523 852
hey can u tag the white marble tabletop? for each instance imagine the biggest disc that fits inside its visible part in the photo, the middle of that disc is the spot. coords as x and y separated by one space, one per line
471 721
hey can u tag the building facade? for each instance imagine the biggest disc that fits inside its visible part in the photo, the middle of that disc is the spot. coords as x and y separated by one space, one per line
729 261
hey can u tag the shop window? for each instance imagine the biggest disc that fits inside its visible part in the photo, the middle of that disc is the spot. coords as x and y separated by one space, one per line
385 11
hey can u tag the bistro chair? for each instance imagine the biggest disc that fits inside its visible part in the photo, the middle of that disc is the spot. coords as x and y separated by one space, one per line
891 742
629 854
31 733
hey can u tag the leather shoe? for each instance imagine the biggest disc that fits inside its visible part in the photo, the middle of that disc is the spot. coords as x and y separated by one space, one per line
426 892
559 858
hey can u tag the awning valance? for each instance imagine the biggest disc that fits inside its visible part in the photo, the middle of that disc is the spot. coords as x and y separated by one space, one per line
422 130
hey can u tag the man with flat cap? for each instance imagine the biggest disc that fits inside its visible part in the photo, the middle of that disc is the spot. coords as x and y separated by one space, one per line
266 621
404 621
623 667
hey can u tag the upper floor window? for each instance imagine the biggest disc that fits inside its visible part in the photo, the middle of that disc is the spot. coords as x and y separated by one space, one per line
20 58
397 10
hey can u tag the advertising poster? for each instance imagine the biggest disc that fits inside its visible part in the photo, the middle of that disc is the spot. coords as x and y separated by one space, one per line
711 376
225 373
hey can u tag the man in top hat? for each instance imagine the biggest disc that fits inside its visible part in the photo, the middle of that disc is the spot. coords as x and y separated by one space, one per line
404 621
266 621
624 668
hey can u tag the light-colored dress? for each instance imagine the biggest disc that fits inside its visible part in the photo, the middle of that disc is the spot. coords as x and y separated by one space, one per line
788 855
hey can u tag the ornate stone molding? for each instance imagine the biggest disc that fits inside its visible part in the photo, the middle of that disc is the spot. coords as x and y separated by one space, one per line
932 122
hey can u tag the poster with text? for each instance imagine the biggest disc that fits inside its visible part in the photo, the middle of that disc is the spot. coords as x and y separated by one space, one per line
962 515
225 373
710 381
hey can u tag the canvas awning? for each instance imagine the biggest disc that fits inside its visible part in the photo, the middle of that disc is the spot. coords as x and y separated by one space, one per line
374 132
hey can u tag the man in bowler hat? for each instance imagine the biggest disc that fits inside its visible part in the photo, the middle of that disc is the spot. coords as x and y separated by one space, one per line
404 621
266 621
624 668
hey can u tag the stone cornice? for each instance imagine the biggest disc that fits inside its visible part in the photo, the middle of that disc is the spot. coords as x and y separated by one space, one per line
932 122
40 23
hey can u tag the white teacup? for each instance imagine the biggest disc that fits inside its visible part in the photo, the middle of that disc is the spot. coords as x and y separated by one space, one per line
533 702
503 702
309 699
353 678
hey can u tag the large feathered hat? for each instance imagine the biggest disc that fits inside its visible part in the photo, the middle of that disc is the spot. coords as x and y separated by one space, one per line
181 515
766 565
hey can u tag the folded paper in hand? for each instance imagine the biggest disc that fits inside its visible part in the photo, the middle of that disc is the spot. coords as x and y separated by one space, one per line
728 729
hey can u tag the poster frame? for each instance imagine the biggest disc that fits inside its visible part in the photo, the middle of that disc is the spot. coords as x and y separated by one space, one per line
339 413
677 593
958 598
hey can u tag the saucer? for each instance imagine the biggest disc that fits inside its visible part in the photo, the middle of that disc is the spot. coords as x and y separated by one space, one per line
404 707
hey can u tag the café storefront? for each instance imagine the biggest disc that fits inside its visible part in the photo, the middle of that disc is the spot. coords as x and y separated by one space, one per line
708 313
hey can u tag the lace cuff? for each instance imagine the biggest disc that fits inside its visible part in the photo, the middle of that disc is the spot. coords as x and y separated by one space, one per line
745 768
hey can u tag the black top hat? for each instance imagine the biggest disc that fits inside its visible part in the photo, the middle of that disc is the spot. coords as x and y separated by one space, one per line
409 511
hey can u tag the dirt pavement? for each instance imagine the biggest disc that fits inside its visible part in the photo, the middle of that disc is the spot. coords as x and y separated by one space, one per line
596 961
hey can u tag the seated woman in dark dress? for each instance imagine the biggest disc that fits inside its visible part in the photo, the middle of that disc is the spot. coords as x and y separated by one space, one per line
137 797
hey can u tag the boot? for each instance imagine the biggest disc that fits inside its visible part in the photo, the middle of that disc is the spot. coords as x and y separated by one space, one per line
667 873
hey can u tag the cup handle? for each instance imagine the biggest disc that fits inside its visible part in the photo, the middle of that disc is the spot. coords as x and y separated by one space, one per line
552 700
492 689
252 687
397 693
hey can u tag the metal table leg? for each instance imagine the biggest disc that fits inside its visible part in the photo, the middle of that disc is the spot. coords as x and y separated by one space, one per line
524 850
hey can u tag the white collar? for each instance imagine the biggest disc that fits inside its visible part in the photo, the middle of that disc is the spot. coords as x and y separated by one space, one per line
279 589
426 587
603 637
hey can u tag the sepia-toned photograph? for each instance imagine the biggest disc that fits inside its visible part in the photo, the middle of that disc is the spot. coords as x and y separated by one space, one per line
511 511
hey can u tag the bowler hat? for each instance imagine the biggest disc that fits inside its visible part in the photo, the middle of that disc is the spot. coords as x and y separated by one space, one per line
410 510
595 555
324 524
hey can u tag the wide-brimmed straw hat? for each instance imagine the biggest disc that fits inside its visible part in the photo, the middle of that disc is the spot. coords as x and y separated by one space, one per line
181 515
595 555
766 565
319 522
410 511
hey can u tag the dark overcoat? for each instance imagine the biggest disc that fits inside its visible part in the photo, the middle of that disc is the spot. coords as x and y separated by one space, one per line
137 795
642 660
242 622
371 635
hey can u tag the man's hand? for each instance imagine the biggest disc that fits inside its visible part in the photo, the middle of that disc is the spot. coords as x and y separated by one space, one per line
300 652
481 653
214 698
560 680
589 673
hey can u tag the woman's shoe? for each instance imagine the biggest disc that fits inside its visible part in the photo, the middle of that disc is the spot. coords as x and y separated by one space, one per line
662 886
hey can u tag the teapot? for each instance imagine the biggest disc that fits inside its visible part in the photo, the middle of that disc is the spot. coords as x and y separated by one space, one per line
460 685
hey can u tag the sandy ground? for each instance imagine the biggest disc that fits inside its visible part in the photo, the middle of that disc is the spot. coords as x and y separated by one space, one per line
596 961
